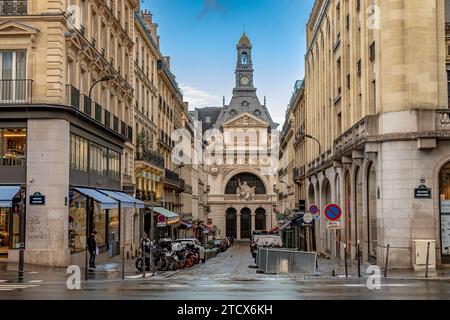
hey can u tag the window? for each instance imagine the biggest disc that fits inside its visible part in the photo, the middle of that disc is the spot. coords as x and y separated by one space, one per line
114 165
77 222
244 58
13 147
13 76
78 153
98 159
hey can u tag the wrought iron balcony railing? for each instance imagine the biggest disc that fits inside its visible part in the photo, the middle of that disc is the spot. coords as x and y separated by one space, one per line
151 157
13 7
172 176
16 91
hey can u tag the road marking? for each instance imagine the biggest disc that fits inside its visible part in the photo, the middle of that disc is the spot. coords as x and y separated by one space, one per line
33 272
3 281
36 281
365 285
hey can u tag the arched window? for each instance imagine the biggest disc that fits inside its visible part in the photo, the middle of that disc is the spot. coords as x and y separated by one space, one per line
260 219
250 179
244 58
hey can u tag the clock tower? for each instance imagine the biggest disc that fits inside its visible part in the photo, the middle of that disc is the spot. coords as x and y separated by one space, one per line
245 99
244 66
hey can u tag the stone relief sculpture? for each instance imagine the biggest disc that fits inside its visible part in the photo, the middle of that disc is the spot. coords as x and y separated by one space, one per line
245 192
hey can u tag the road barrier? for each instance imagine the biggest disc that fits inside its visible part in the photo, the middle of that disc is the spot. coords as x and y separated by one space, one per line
285 261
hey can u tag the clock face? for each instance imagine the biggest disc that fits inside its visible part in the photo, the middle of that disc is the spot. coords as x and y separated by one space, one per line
245 81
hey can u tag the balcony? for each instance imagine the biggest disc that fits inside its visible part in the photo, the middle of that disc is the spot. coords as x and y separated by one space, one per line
16 91
13 8
182 185
151 157
356 135
172 177
299 173
165 140
146 195
96 112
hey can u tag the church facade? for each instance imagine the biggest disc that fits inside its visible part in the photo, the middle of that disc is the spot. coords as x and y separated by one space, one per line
241 157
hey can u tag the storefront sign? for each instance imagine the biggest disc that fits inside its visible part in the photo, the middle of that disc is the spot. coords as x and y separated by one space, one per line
37 199
423 192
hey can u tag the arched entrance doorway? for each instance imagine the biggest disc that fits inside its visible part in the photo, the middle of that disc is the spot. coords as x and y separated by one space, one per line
372 229
444 191
246 223
338 235
231 225
358 204
260 219
326 199
347 208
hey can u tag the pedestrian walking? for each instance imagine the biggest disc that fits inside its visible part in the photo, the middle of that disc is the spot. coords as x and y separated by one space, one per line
92 248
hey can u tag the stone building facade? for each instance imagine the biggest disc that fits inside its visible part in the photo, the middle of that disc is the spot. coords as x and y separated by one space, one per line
377 102
87 108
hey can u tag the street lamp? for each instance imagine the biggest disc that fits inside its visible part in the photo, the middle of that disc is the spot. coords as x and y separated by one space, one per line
104 79
318 142
88 231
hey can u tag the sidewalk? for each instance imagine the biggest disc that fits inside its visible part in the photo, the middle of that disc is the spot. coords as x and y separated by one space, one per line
106 272
326 267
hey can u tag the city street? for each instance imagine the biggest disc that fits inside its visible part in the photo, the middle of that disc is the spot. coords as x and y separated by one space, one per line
226 277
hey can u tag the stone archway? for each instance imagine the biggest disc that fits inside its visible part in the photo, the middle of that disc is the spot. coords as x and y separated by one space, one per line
231 223
372 221
246 223
260 219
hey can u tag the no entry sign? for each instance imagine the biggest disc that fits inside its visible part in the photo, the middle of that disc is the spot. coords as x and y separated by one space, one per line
313 209
333 212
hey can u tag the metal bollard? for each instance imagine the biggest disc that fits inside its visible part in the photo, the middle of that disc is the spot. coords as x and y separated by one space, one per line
387 261
123 263
345 260
359 260
428 261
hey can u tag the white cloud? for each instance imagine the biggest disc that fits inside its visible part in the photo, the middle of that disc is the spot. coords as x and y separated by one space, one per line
198 98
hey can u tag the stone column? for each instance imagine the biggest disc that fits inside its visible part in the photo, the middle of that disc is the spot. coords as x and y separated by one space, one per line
238 225
48 173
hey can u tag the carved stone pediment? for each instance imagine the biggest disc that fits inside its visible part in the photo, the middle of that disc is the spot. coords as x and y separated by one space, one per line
246 120
17 28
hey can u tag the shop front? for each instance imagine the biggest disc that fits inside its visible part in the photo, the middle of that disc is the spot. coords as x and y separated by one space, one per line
100 211
167 223
9 219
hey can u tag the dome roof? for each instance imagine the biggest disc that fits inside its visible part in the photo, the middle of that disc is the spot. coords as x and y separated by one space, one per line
244 41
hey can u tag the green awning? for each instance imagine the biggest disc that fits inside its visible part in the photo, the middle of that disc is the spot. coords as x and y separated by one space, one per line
167 213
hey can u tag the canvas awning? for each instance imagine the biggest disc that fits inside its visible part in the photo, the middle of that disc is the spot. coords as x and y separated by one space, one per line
138 204
105 201
186 224
172 217
7 193
125 200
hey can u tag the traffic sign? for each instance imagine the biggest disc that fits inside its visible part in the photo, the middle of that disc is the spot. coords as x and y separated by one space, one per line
313 209
333 212
308 218
334 225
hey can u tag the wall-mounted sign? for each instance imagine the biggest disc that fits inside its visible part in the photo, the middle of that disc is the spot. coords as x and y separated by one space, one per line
37 199
422 192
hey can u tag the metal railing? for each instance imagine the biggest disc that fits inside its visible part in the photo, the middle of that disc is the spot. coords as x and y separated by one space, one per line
284 261
151 157
13 8
172 176
16 91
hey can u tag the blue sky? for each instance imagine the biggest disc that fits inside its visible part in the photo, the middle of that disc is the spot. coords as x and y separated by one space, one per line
201 37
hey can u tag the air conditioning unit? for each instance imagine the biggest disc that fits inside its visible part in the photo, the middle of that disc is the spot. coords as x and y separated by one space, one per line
420 249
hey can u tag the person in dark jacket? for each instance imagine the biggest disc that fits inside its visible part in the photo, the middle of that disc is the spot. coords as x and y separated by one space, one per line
92 248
